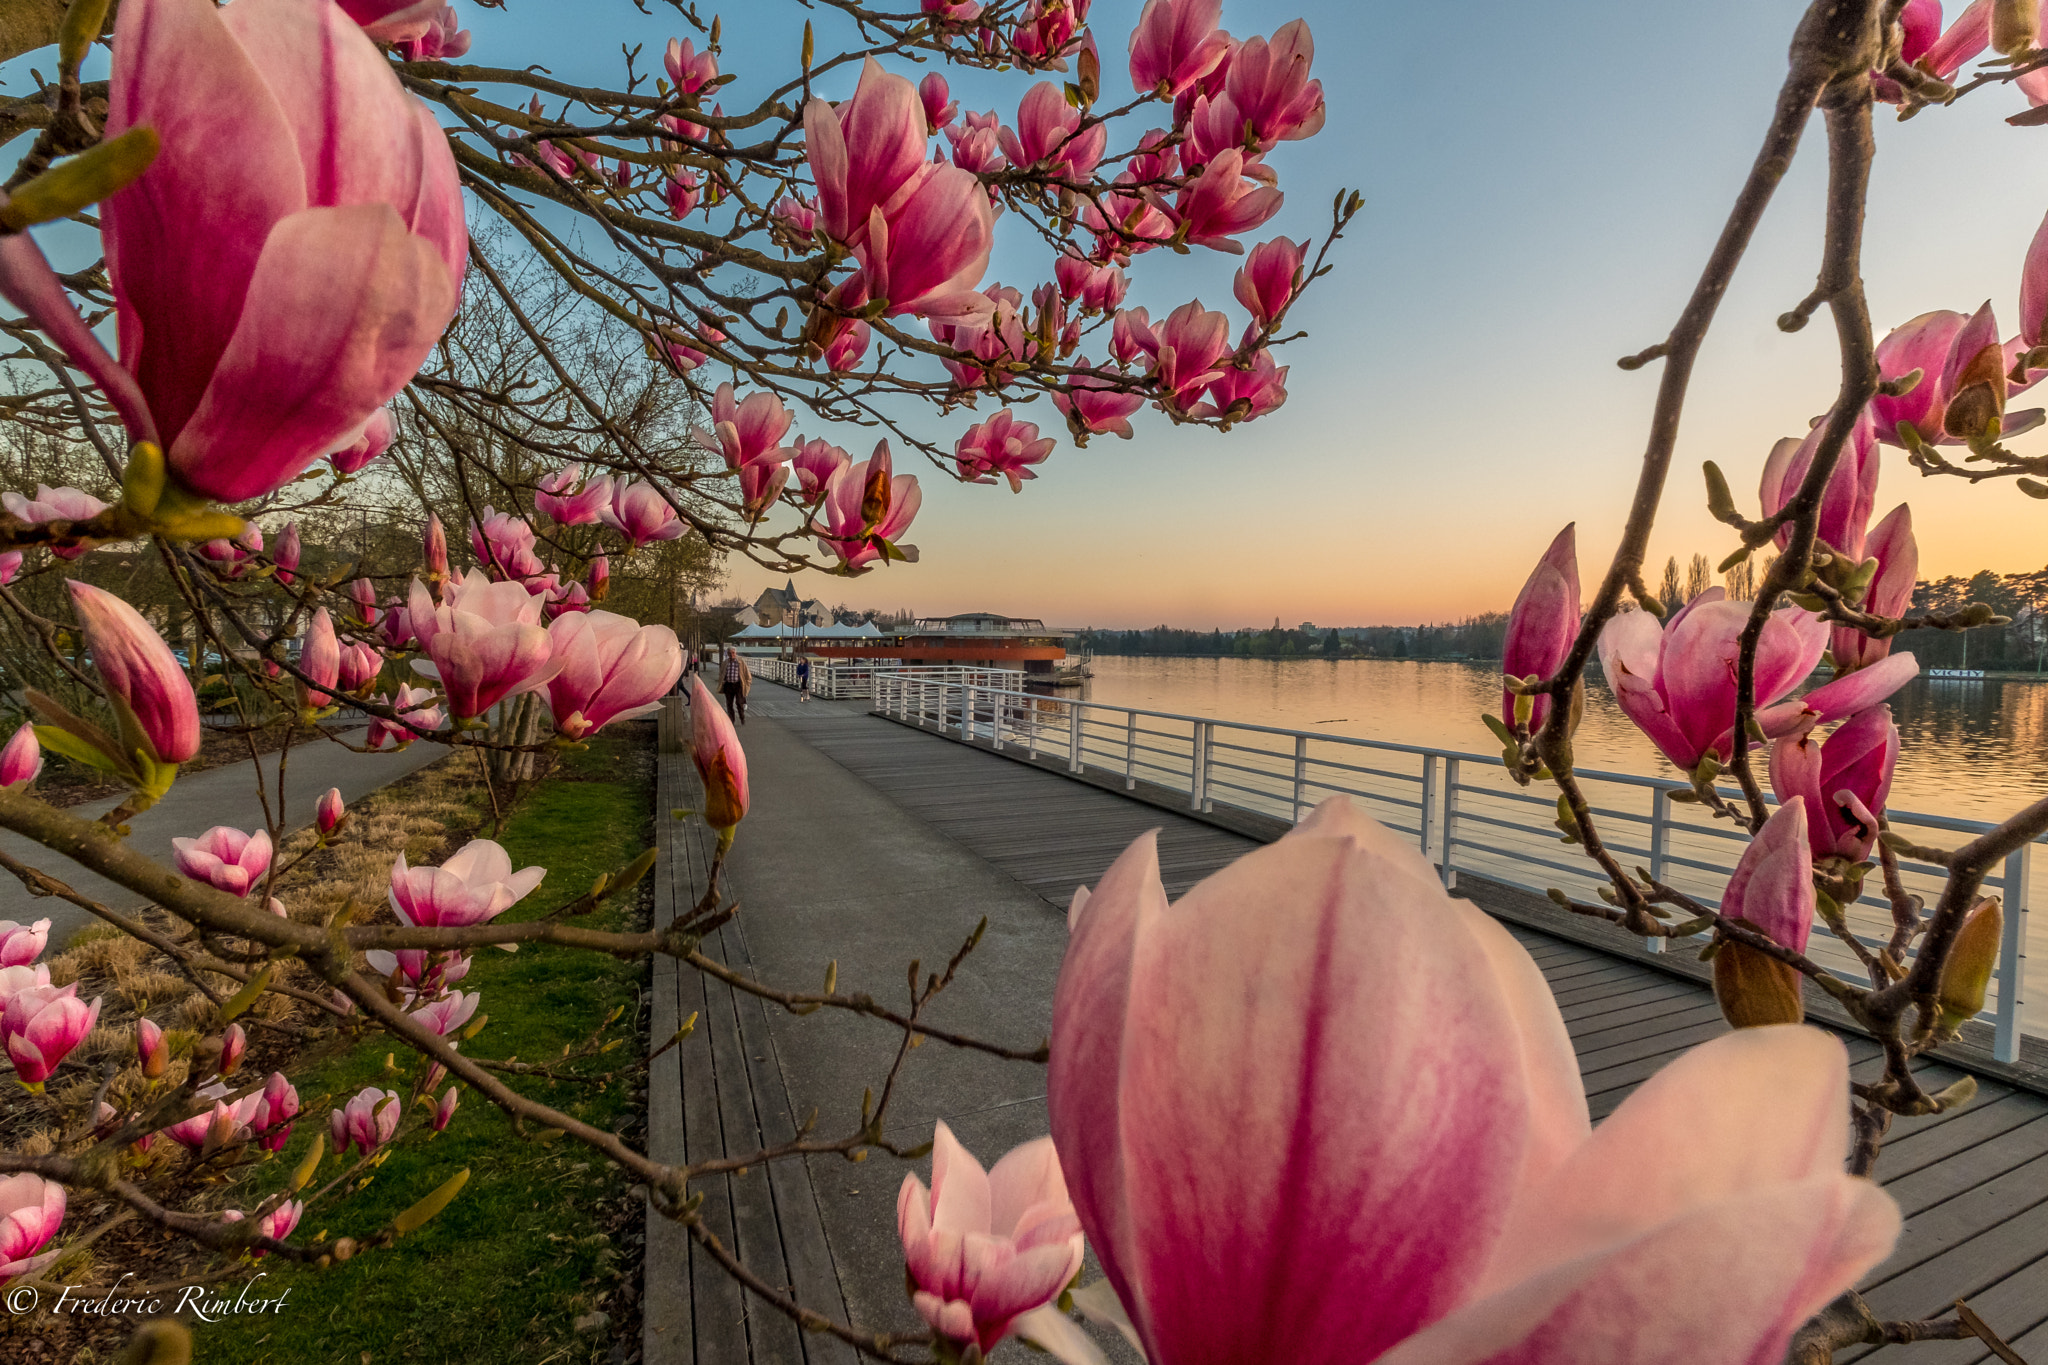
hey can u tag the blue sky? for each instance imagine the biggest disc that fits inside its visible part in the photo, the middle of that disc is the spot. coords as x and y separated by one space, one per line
1541 185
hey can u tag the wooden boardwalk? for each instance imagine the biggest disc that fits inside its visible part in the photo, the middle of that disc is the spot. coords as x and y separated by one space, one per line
1973 1184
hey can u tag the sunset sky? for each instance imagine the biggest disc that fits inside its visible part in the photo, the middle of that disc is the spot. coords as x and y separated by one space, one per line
1542 183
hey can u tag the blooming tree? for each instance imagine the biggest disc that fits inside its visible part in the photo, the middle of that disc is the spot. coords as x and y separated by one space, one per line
350 265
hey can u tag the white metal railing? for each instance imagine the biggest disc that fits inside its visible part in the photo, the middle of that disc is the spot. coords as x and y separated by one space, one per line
854 679
1463 810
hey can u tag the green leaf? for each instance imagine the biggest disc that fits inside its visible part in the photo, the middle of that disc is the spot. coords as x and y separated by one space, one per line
85 179
59 741
239 1002
417 1216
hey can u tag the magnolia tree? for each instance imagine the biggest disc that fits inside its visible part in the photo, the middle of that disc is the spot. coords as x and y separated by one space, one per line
1407 1171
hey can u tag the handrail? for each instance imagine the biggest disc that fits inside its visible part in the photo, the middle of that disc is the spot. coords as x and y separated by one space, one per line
1467 815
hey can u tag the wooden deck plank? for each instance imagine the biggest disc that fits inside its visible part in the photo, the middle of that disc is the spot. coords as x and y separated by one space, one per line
1916 1148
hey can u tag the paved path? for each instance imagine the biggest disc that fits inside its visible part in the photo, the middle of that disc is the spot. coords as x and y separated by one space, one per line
219 796
879 845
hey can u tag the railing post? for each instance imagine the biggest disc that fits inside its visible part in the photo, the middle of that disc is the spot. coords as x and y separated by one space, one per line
1660 849
1074 763
1198 764
995 720
1450 820
1428 821
967 716
1029 715
1300 774
2012 959
1131 752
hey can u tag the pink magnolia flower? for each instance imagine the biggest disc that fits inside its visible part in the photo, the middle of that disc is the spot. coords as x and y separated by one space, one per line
815 462
362 596
139 671
985 1248
21 944
1131 339
565 498
761 485
226 859
1188 347
1243 392
1843 781
690 69
846 344
445 1110
721 762
233 1044
20 761
330 813
266 326
360 665
1001 445
1969 35
14 980
278 1223
867 153
418 970
597 579
152 1051
448 1013
1478 1218
375 438
1845 504
444 40
939 106
476 885
503 544
612 668
682 191
1175 44
54 504
230 554
320 661
31 1211
434 549
1126 222
1049 28
367 1121
1771 890
1845 696
952 11
1923 344
1220 203
1891 544
1676 680
41 1025
414 704
1269 84
1092 287
977 143
749 431
798 213
286 555
926 259
640 514
1092 405
1048 133
485 643
865 503
1266 282
1543 623
10 565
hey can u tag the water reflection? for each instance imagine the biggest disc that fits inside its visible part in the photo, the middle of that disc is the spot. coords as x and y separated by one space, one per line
1976 750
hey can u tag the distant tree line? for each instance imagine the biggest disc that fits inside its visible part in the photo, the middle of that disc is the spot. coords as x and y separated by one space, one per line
1475 637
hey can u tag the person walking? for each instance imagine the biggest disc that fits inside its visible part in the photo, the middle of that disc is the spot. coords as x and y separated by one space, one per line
803 679
737 679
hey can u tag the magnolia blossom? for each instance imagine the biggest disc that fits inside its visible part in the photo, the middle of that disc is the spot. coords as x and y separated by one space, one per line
140 671
1543 624
434 549
721 762
475 885
1890 593
233 1043
1771 890
1188 347
41 1024
985 1248
1245 389
864 504
20 761
375 438
939 106
1266 283
31 1211
688 68
152 1049
503 544
266 325
641 514
445 1110
230 554
54 504
1091 405
362 596
1220 203
610 668
14 980
360 665
367 1121
286 554
1175 44
414 704
226 859
319 661
444 41
1438 1181
21 944
448 1013
1846 502
10 565
417 969
1843 781
279 1222
1001 445
1046 134
561 500
1676 680
1092 287
814 464
329 813
1960 397
977 143
485 643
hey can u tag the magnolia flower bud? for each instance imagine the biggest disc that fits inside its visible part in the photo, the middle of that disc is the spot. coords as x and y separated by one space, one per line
233 1044
2012 25
151 1049
1755 989
1971 959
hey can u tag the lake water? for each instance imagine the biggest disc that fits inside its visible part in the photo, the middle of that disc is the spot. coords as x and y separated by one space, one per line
1969 749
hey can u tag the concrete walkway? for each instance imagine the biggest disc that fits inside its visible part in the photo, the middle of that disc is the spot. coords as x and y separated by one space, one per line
219 796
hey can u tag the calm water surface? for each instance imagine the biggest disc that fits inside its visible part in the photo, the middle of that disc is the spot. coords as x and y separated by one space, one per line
1977 750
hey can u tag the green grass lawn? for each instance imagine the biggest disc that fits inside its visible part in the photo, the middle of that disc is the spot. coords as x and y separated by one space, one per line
522 1252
